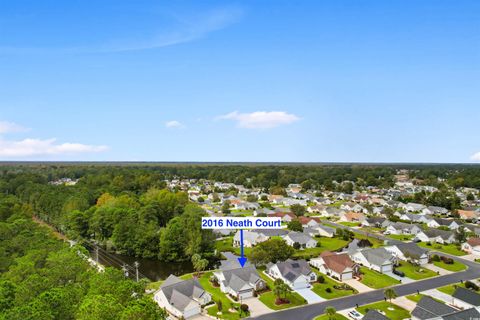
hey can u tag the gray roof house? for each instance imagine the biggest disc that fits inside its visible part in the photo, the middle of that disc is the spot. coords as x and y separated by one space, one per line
237 281
467 314
182 298
435 235
303 239
378 259
373 314
468 296
428 308
295 273
409 252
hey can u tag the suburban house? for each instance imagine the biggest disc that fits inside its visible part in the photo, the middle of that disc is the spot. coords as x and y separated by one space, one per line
295 273
375 222
332 212
378 259
465 298
309 222
351 206
316 208
472 246
271 232
439 222
285 216
467 214
434 210
262 211
412 207
409 252
246 206
414 217
182 298
239 282
320 230
304 240
402 228
352 217
435 235
429 308
250 238
338 266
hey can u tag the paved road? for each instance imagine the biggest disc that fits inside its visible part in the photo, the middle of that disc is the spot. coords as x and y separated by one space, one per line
310 311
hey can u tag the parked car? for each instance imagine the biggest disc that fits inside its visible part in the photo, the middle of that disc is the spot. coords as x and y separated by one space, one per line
398 273
354 314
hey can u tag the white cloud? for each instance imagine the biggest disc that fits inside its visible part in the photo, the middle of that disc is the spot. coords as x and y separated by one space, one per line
261 119
8 127
173 124
475 157
38 147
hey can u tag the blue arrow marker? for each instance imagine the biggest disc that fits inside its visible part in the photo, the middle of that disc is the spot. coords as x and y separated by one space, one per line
242 259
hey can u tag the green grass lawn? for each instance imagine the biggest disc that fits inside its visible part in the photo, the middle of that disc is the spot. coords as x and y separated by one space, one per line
396 312
447 248
376 243
227 245
337 316
268 298
319 288
401 237
376 280
455 267
219 295
330 244
417 297
415 272
450 289
350 224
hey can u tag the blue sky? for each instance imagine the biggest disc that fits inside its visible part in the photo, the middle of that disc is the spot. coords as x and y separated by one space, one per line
349 81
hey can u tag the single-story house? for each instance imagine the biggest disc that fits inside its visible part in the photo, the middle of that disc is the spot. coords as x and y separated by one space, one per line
303 239
285 216
465 298
338 266
375 222
309 222
414 217
295 273
429 308
182 298
352 217
409 252
250 238
434 210
439 222
435 235
239 282
402 228
472 246
378 259
467 214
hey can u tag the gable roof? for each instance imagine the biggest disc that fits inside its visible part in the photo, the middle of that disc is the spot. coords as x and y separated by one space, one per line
428 308
467 314
433 233
299 237
337 262
373 314
377 256
474 242
241 278
292 269
411 249
181 293
467 296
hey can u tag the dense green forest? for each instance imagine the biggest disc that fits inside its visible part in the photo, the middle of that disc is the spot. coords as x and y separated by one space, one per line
41 277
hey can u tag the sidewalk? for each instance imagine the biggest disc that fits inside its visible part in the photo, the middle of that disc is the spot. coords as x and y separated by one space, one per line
440 271
405 303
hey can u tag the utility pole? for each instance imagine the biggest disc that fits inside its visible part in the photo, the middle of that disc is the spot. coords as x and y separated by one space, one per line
136 264
125 270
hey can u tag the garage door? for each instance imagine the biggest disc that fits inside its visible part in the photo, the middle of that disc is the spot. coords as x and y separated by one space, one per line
245 294
347 276
191 312
387 268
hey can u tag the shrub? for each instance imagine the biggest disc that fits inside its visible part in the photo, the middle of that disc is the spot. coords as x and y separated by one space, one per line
435 257
329 290
244 307
471 285
321 279
429 243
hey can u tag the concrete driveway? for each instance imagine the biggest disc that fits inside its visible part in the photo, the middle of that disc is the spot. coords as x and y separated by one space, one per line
401 279
309 295
256 307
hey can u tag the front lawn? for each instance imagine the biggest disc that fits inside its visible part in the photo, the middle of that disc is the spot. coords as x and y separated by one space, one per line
268 298
401 237
321 288
390 310
376 280
219 295
455 266
417 297
350 224
447 248
330 244
415 272
337 316
376 243
450 289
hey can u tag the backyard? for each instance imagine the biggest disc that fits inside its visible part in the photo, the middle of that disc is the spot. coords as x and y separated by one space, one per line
376 280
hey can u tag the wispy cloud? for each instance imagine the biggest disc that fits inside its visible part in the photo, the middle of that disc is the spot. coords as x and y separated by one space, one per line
39 147
8 127
186 29
475 157
260 119
174 124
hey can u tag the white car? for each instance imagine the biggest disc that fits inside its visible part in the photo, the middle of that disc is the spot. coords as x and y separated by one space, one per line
354 314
